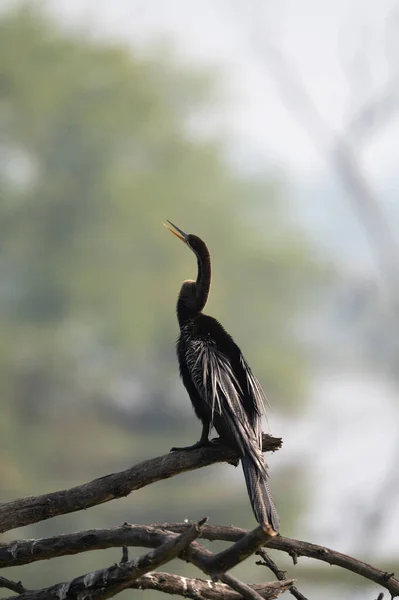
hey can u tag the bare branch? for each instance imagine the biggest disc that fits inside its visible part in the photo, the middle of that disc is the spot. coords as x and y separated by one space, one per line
21 552
299 548
242 549
281 575
203 559
32 509
242 588
14 586
199 588
152 536
106 583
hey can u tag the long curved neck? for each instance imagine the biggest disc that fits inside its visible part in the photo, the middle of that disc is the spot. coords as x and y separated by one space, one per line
203 283
194 294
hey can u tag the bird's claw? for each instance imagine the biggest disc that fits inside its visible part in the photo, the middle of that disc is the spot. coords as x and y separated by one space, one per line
199 444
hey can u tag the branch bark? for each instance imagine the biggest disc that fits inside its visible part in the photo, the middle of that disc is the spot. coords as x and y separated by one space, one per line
244 547
106 583
169 540
14 586
32 509
195 588
298 548
281 575
240 587
21 552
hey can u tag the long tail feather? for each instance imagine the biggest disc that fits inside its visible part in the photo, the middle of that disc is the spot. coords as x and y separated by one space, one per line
259 494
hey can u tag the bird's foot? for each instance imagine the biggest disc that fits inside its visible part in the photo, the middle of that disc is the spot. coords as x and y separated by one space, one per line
199 444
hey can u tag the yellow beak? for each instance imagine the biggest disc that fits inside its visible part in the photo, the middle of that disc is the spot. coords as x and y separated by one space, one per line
178 233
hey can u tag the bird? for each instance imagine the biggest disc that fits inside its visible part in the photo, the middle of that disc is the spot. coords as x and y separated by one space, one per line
224 392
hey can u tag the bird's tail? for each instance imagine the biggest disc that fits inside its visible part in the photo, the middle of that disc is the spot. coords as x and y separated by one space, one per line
259 494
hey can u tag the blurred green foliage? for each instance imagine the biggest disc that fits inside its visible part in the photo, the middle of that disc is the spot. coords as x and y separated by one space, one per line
96 150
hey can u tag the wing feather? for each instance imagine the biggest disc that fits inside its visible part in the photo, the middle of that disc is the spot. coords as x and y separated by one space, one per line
213 375
257 394
235 403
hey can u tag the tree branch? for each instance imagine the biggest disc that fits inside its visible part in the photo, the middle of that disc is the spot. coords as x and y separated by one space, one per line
242 588
299 548
32 509
247 545
203 559
281 575
195 588
21 552
106 583
14 586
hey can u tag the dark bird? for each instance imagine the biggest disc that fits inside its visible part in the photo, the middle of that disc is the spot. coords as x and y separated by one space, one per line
222 388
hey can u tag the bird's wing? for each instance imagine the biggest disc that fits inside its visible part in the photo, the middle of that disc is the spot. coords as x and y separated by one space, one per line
256 393
213 375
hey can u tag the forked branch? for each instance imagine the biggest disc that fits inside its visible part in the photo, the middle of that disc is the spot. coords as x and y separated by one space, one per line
108 582
167 540
152 536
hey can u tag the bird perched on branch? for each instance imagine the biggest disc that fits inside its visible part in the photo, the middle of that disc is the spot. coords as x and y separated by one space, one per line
222 388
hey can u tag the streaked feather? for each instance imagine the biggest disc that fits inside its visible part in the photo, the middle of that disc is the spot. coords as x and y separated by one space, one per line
217 384
259 493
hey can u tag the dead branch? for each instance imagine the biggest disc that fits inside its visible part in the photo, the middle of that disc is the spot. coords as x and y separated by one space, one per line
242 588
106 583
14 586
204 560
21 552
299 548
195 588
242 549
32 509
169 540
267 561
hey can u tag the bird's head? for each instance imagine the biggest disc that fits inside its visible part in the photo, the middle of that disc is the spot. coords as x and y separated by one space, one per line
192 241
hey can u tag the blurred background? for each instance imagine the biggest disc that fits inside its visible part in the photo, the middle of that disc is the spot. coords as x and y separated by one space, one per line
270 129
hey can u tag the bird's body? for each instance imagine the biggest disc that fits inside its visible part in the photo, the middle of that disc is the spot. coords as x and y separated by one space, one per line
222 388
202 349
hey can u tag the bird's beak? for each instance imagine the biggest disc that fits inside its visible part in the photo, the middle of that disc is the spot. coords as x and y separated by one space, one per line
178 233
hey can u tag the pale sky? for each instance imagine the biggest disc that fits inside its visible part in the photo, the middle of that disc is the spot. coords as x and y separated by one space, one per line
321 37
344 52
